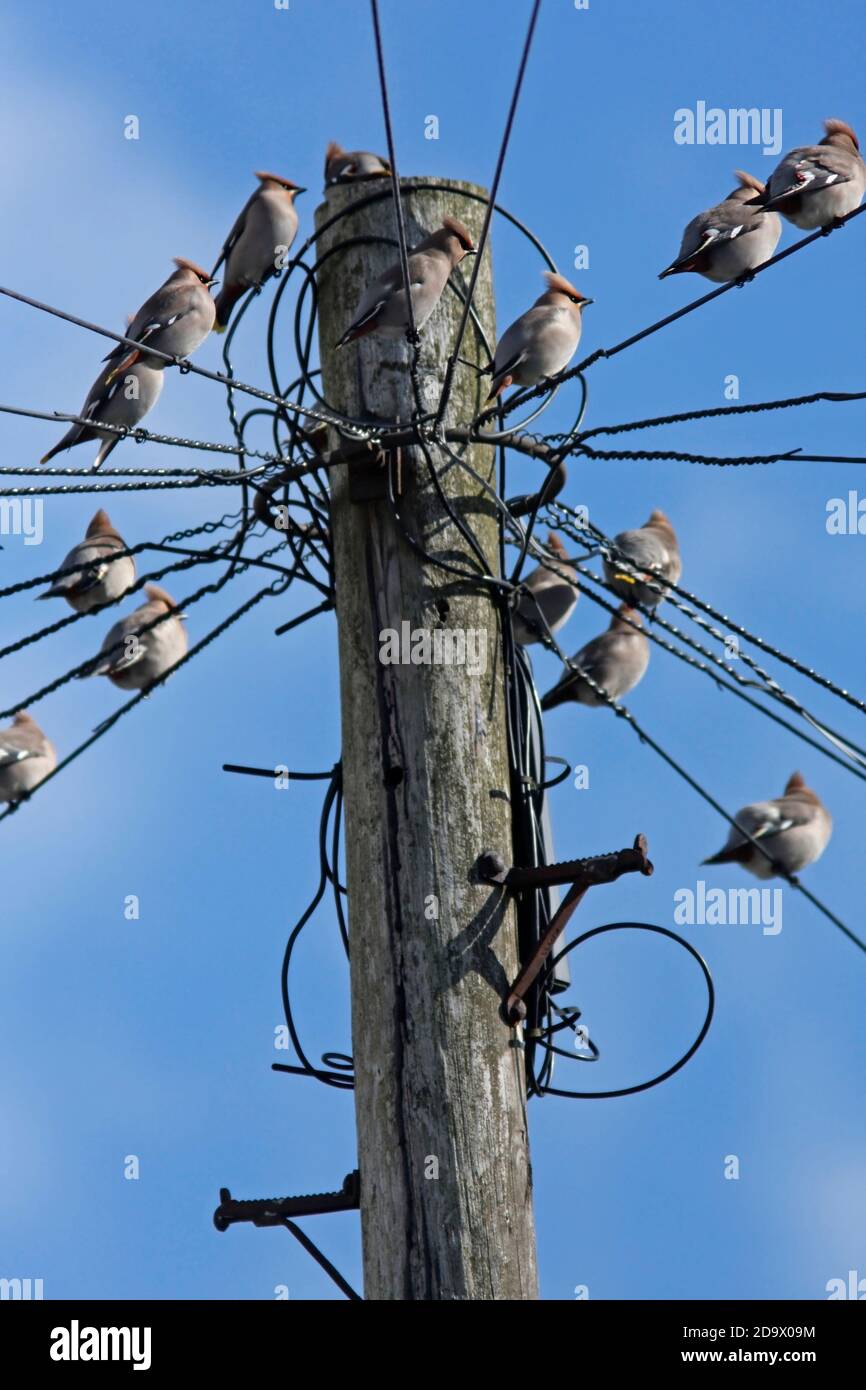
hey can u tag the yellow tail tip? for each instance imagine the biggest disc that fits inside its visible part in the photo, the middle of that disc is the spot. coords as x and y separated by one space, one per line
219 327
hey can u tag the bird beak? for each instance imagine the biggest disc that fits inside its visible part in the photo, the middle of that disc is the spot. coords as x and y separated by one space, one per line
473 252
296 191
587 301
210 283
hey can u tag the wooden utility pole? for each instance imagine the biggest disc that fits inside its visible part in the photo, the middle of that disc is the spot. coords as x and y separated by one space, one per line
446 1190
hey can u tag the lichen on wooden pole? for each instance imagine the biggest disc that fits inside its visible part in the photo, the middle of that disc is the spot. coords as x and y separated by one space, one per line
446 1202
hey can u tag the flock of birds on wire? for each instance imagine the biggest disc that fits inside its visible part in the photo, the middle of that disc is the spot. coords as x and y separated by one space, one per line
812 187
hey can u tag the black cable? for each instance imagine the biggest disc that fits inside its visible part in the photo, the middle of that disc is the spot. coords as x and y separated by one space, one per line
485 229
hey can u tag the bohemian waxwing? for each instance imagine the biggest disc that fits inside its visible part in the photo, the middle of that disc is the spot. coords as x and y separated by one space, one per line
26 757
731 239
816 184
616 660
258 242
382 306
649 552
794 829
116 398
175 320
136 661
543 340
553 590
99 579
342 165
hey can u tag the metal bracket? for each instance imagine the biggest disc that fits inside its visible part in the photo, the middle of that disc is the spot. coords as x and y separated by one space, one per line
581 874
272 1211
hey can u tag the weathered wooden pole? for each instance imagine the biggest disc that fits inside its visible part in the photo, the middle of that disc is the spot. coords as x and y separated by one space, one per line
446 1204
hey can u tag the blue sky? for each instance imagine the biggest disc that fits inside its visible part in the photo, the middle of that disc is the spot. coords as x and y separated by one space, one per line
155 1037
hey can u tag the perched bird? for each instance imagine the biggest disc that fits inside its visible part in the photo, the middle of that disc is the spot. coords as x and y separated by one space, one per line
794 829
265 228
98 579
649 552
543 340
134 659
343 164
175 320
117 397
26 756
815 184
731 239
616 660
382 307
552 590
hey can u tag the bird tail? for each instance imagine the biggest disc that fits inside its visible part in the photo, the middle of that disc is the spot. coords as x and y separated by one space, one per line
225 303
357 330
499 385
557 696
367 323
352 334
735 854
94 669
684 263
105 449
66 442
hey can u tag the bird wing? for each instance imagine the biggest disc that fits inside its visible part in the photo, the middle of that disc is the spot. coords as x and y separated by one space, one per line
807 170
642 549
237 229
118 653
380 293
588 658
92 574
765 819
508 367
708 229
92 568
13 749
170 303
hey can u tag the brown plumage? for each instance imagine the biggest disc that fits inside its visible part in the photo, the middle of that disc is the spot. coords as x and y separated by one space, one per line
382 307
97 577
839 133
650 553
26 757
542 342
793 829
263 232
616 660
100 525
551 598
343 164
